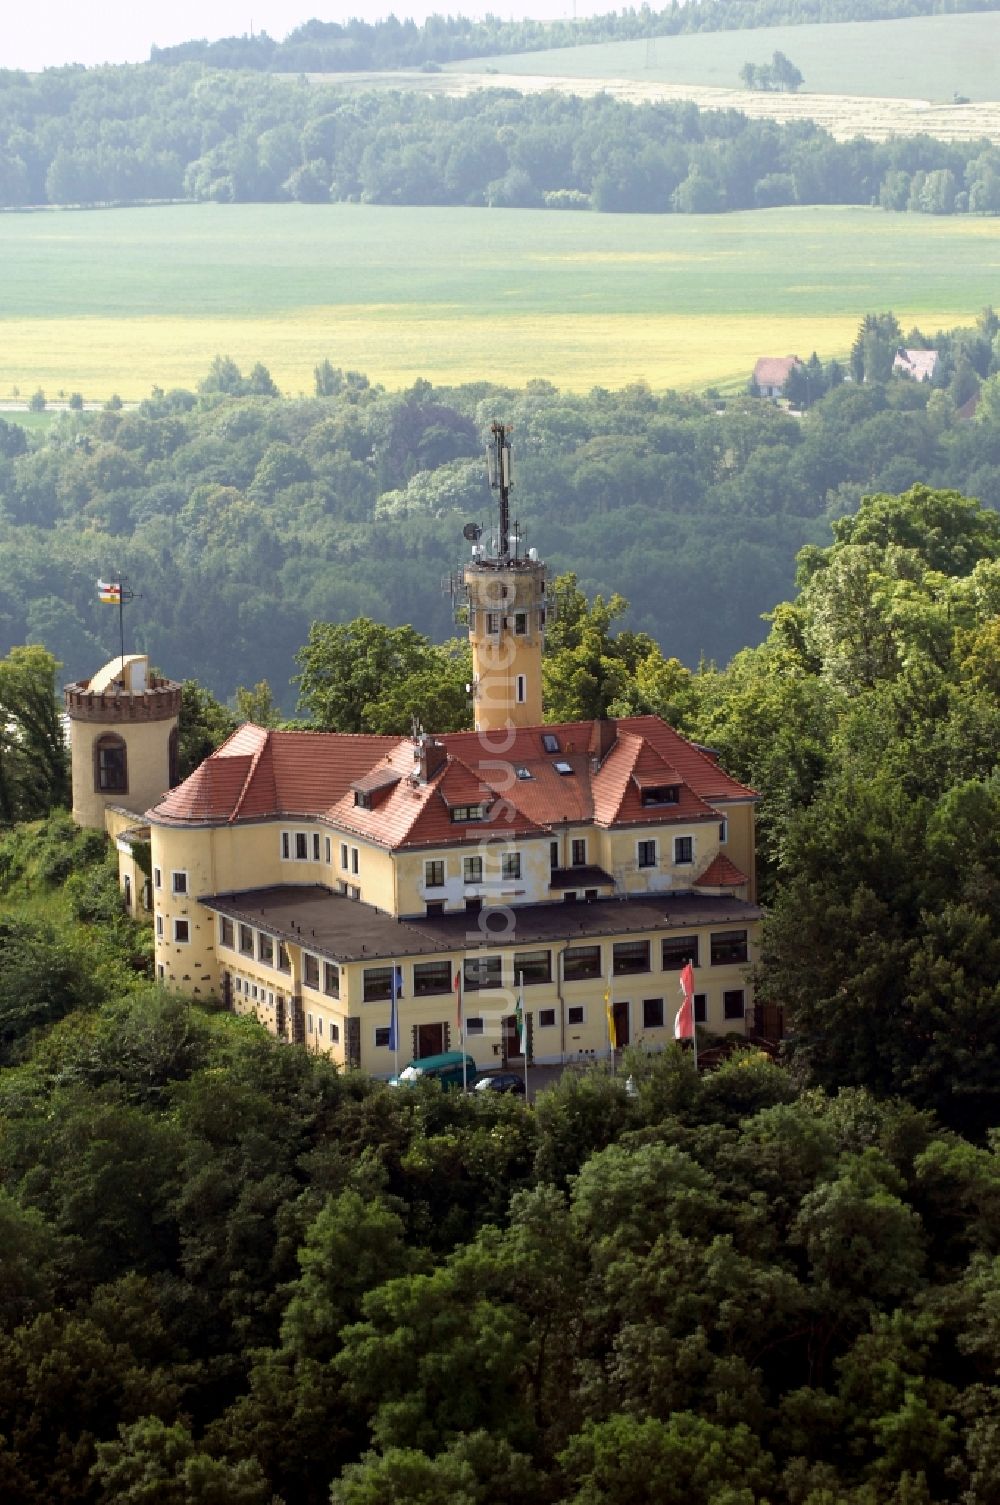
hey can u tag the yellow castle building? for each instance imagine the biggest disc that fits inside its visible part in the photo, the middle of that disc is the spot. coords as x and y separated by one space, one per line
381 898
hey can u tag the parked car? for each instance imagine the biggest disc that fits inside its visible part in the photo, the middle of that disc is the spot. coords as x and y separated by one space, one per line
501 1081
452 1069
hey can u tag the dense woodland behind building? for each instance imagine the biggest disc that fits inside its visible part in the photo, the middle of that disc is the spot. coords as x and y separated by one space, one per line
242 518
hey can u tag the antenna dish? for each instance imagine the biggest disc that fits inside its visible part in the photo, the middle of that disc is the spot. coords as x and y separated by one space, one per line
471 531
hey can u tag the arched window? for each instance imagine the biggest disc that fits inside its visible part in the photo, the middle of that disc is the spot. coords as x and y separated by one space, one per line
110 765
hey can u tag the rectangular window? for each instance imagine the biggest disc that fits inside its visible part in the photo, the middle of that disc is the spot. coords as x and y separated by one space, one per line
701 1008
468 812
683 849
532 966
353 892
431 977
315 846
732 1003
327 849
553 855
182 932
161 971
343 855
286 846
319 1025
159 925
677 950
179 883
354 859
579 858
520 623
630 956
226 931
723 832
434 874
520 689
433 908
574 1015
728 946
301 846
310 971
157 878
482 972
647 853
474 1026
265 949
335 1033
284 965
378 984
652 1013
309 1024
581 962
661 794
492 623
331 980
246 940
381 1037
472 869
546 1018
510 864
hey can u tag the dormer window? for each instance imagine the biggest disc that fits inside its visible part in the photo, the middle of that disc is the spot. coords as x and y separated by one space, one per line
661 794
362 800
468 812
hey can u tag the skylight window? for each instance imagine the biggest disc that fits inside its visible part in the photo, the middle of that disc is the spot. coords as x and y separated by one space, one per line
550 742
522 772
562 768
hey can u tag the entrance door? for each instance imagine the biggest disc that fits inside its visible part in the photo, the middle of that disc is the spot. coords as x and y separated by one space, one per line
620 1016
511 1039
430 1040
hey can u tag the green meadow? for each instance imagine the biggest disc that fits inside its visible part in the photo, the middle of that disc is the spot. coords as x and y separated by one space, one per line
120 300
924 57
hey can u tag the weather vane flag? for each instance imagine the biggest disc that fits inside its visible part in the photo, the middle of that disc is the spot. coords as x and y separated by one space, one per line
117 593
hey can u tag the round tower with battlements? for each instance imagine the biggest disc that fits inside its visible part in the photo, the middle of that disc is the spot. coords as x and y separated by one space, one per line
123 739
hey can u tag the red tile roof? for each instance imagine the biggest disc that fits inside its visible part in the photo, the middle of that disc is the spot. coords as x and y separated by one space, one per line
721 873
258 774
772 370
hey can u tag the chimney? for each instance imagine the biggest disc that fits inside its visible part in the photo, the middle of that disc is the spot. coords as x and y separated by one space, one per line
603 736
430 757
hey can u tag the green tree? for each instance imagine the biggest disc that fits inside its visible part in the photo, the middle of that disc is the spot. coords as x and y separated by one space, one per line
362 676
152 1463
34 768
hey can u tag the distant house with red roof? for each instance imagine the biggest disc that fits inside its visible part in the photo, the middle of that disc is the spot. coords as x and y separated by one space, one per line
771 372
379 898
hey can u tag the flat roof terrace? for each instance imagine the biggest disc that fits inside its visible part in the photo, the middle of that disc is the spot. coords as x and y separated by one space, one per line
347 930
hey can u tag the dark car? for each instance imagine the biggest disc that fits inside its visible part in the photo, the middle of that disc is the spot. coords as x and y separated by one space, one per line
501 1081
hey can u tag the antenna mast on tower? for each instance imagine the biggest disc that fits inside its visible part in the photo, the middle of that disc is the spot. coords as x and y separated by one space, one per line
500 480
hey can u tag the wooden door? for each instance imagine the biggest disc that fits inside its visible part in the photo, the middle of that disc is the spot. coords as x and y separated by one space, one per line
429 1040
620 1016
511 1039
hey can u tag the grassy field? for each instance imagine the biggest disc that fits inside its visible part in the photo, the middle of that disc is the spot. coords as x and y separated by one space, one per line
925 57
117 301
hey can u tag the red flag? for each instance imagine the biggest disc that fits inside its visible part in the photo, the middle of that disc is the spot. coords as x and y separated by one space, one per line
458 1004
684 1022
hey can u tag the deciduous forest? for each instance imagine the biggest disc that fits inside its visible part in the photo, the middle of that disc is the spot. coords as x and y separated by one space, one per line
128 135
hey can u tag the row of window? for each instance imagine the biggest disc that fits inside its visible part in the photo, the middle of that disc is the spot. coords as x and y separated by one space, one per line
431 978
310 846
579 964
655 1015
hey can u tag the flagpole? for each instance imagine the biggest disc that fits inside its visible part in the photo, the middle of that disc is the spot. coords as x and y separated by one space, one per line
121 618
524 1035
395 1019
609 1010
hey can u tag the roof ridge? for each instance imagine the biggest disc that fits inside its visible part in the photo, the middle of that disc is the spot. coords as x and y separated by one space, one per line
234 814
